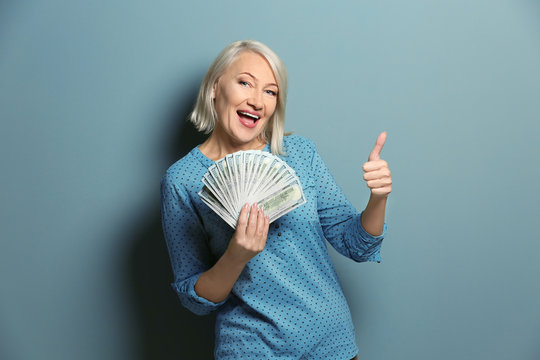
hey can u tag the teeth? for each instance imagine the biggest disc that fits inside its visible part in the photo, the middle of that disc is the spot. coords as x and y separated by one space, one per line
255 117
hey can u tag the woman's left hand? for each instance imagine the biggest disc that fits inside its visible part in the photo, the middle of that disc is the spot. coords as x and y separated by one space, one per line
376 171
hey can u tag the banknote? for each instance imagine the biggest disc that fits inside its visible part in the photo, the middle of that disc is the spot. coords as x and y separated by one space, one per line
251 176
283 201
214 204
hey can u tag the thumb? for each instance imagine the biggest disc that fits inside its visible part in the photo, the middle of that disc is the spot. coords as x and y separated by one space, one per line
375 154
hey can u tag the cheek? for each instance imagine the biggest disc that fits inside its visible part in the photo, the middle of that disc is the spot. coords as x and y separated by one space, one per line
225 98
223 106
233 96
271 108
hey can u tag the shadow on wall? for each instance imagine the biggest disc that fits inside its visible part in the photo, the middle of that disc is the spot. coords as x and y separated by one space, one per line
166 330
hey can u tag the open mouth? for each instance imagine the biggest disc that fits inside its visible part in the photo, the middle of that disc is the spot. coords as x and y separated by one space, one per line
248 119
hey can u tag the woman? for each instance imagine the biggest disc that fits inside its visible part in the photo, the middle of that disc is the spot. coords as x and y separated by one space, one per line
274 285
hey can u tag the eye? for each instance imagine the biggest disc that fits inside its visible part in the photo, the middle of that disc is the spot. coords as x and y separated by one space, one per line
271 92
243 83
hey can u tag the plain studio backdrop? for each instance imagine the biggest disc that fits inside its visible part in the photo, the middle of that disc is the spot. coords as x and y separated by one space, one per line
93 101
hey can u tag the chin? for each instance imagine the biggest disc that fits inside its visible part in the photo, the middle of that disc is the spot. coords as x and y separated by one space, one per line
248 136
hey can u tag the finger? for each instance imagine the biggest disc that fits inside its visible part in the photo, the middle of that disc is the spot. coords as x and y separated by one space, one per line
265 232
374 165
377 174
252 221
260 223
382 191
378 183
262 231
375 154
242 219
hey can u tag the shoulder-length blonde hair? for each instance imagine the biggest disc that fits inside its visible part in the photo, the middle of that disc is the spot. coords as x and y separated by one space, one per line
204 114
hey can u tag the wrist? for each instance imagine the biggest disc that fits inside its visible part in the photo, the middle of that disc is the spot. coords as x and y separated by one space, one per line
378 198
233 261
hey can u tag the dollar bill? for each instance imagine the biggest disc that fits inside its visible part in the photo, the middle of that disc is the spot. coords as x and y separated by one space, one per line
283 201
251 176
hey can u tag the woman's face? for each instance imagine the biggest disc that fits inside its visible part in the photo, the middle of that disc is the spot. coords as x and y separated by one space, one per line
245 98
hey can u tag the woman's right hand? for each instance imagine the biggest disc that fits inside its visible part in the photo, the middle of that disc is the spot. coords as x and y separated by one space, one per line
249 238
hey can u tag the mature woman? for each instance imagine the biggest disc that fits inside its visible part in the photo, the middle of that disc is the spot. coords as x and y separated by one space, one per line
274 285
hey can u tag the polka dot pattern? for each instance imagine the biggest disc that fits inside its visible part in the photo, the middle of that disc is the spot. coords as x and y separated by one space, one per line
288 302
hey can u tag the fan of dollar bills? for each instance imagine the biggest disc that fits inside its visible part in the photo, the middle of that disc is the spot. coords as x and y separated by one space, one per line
248 177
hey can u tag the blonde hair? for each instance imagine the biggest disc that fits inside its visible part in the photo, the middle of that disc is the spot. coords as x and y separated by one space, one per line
204 114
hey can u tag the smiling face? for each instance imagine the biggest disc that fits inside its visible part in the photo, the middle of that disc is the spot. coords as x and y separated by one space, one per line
245 98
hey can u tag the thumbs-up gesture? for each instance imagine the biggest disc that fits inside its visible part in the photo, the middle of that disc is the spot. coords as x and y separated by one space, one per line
376 171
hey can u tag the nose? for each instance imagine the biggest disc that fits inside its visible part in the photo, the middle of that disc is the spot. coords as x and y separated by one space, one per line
256 100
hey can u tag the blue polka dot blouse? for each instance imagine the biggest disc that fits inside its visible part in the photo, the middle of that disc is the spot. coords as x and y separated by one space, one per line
288 302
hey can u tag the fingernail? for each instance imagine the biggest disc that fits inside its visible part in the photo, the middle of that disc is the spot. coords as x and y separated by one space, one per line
246 205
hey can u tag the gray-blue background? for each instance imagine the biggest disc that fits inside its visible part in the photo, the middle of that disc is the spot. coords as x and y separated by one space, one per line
93 97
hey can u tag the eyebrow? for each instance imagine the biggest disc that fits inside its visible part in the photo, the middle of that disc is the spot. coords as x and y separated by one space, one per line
253 76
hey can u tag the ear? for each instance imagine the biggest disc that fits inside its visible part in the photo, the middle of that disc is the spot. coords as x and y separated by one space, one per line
214 89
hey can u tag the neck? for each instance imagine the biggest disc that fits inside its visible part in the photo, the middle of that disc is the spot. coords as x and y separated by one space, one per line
216 147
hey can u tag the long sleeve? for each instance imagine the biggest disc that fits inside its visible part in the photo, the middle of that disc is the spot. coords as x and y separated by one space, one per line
339 219
187 244
288 301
